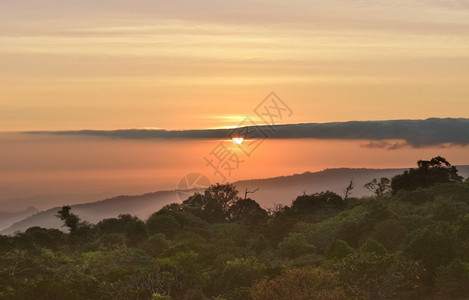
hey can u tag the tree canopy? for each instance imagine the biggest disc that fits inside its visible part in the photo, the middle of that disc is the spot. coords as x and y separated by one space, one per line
408 244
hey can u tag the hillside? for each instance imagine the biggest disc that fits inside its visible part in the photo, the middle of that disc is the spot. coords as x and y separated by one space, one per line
141 206
8 218
398 244
277 190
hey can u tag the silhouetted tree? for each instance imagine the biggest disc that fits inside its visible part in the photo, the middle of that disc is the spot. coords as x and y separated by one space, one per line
213 206
348 189
117 225
70 220
246 210
381 188
136 233
428 173
308 203
162 223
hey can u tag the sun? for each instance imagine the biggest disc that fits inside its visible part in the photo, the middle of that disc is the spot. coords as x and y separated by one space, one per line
238 140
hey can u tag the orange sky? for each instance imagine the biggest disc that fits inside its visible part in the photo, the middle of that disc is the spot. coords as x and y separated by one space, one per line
204 64
193 64
50 165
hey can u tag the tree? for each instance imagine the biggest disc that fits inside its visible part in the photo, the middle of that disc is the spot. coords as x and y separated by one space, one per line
310 203
381 188
156 244
46 238
235 276
136 233
77 228
70 220
213 206
224 194
117 225
432 247
294 245
428 173
348 189
340 249
247 210
165 224
390 233
372 246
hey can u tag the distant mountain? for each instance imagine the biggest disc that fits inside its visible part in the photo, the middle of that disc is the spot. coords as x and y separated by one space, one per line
278 190
282 190
8 218
43 202
142 206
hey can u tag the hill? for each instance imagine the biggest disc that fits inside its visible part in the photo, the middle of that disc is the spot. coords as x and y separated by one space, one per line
8 218
277 190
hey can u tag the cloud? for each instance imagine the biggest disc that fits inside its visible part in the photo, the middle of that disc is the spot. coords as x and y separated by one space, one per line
385 145
412 133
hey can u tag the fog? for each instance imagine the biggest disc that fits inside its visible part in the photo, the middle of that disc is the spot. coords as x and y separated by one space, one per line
74 169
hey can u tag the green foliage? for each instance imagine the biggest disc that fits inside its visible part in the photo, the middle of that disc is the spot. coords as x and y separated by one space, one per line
184 274
337 227
157 296
156 244
247 210
304 284
417 196
294 245
215 245
117 225
133 228
340 249
372 246
390 233
432 247
447 210
379 276
462 237
238 273
51 239
259 244
452 280
165 224
136 234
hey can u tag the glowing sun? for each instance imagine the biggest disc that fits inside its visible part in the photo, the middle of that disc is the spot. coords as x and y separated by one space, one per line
238 140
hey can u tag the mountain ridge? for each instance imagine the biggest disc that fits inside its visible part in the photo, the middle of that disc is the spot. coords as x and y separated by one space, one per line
272 191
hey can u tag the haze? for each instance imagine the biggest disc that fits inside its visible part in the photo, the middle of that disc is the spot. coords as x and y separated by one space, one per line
49 165
183 65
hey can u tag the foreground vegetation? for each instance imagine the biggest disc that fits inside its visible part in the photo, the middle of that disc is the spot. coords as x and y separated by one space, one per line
410 240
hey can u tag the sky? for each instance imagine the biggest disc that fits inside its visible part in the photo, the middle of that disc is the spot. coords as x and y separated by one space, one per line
70 65
199 64
44 164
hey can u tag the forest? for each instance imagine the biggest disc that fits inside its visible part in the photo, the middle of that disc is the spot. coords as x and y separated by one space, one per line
408 240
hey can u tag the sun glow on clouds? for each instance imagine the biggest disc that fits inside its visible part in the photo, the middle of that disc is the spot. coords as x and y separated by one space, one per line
238 140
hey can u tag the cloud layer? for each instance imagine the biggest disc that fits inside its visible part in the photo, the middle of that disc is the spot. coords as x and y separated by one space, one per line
381 134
